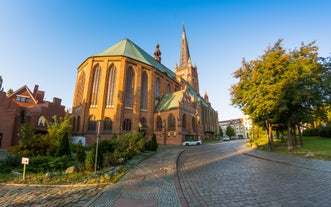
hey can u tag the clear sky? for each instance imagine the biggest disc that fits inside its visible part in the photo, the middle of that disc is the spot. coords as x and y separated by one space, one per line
44 41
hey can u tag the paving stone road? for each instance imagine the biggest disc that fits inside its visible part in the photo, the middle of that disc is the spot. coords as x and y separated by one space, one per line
227 174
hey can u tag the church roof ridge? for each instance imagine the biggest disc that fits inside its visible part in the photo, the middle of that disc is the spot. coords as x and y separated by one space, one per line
129 49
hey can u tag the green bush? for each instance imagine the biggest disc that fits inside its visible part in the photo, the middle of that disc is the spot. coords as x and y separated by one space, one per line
90 159
64 147
154 145
49 164
80 152
11 162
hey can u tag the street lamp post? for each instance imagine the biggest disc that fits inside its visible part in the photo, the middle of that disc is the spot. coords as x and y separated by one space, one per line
96 148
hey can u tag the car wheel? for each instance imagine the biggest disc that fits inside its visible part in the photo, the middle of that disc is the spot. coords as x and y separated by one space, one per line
186 144
198 143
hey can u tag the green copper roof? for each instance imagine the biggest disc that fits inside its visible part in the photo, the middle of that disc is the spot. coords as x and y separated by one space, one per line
128 49
169 101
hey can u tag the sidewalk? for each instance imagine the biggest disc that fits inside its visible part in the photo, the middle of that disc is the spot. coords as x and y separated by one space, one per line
153 183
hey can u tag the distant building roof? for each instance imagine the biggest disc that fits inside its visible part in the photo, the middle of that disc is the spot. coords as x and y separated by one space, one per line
129 49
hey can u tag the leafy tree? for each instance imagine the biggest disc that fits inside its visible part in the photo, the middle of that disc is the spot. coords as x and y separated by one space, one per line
10 92
64 146
80 152
1 81
230 131
281 87
221 131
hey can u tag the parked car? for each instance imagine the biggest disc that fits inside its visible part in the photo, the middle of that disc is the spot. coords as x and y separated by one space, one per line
226 138
192 142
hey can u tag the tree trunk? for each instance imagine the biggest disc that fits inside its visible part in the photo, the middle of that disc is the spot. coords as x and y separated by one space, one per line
269 132
289 137
300 135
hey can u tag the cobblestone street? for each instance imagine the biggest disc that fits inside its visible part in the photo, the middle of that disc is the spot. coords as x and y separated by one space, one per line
47 195
220 175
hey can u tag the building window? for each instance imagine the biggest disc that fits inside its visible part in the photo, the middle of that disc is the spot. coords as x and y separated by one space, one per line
80 89
157 89
108 124
91 123
42 121
111 87
143 122
129 86
78 123
127 125
144 88
171 122
194 127
24 99
184 121
158 123
168 89
95 86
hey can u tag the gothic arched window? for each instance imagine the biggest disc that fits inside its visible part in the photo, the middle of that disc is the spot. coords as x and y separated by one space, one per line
144 88
157 88
168 89
92 123
171 122
193 124
129 86
95 86
80 89
143 122
184 121
158 123
78 123
107 124
111 86
127 125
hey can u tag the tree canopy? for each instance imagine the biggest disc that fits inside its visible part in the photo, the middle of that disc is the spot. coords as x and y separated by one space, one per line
283 86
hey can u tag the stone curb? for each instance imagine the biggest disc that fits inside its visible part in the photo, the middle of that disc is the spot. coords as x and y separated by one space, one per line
178 186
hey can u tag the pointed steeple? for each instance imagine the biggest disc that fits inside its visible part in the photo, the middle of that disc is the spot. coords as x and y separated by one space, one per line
184 52
185 70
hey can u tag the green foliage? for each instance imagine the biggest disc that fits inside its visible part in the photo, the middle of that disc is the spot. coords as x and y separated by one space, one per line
64 146
154 145
37 145
42 164
59 127
26 131
323 131
90 159
221 131
11 162
283 86
80 152
230 131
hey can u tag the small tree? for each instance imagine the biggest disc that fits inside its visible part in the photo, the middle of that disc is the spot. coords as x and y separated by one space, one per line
154 145
64 146
80 152
230 131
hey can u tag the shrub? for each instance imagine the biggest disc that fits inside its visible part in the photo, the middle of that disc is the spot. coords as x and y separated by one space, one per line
154 145
11 162
80 152
64 146
90 159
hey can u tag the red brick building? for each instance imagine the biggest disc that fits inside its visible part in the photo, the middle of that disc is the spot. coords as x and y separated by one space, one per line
25 106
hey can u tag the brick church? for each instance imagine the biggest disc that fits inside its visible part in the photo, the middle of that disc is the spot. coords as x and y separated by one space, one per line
124 89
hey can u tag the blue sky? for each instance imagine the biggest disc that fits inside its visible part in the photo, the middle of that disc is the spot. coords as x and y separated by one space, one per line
44 41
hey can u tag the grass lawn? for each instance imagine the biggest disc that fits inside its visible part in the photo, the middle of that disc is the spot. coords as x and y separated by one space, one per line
319 146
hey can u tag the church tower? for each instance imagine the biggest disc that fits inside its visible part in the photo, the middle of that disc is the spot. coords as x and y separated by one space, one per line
185 69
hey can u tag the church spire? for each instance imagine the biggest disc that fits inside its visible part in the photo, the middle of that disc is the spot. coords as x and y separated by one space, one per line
185 70
184 52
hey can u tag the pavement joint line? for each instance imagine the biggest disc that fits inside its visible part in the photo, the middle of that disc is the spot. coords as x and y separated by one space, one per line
277 161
